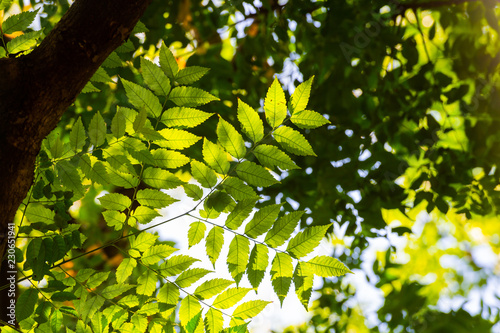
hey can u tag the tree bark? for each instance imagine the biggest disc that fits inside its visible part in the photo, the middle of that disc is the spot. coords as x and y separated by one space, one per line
36 89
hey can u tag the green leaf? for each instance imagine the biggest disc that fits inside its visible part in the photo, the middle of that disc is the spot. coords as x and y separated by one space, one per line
237 258
18 22
115 290
23 42
97 130
184 117
115 201
190 276
25 305
169 159
149 309
168 293
63 296
97 279
203 174
177 139
154 198
326 266
38 213
238 189
306 241
240 213
303 281
262 220
271 157
113 61
168 63
195 324
129 301
118 124
309 119
101 76
125 269
255 174
251 124
155 78
77 136
89 88
176 264
122 179
189 308
293 142
275 104
211 288
160 179
196 233
249 309
69 177
257 265
193 191
190 74
213 243
142 98
190 96
230 139
139 27
300 96
215 157
281 275
114 219
56 320
213 321
143 241
146 283
230 297
157 253
144 214
283 228
140 120
5 3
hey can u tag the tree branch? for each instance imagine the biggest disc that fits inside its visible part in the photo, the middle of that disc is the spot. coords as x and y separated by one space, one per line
36 89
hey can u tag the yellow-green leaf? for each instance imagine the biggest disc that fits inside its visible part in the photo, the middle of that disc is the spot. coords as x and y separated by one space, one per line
251 124
275 104
230 139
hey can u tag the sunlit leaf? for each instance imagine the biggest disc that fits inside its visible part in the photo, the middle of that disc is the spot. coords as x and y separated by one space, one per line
167 62
326 266
154 198
308 119
211 288
251 124
184 117
306 241
275 104
190 96
190 74
196 233
271 157
283 228
292 141
213 243
300 96
155 78
215 157
255 174
262 220
230 139
142 98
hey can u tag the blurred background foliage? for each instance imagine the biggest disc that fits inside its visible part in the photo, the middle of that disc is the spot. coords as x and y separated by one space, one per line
407 172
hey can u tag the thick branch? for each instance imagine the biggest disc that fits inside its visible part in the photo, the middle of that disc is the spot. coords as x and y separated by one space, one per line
36 89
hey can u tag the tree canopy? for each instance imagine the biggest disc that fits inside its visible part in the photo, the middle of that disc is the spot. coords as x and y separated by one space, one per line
368 127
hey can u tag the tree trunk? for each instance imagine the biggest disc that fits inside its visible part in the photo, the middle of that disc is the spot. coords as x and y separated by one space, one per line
36 89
